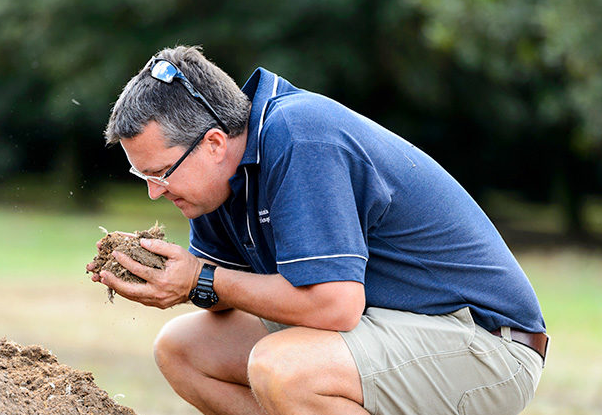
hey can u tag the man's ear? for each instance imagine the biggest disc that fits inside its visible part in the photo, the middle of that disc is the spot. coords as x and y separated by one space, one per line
216 143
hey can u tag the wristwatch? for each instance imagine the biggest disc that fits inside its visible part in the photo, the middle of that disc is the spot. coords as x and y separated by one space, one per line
203 295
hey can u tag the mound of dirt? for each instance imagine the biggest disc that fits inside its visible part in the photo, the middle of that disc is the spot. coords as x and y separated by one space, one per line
129 244
33 382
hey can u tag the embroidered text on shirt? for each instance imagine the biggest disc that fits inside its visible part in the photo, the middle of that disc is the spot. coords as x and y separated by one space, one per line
263 216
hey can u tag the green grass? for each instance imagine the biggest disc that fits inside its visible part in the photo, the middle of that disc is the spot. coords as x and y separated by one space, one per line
48 299
569 288
59 243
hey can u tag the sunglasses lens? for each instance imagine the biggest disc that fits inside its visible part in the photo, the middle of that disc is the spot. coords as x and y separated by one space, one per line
164 71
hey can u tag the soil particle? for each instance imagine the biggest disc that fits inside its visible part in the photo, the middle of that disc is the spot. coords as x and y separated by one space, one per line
129 244
33 382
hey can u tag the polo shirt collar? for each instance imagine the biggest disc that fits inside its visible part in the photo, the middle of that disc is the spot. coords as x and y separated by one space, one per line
260 88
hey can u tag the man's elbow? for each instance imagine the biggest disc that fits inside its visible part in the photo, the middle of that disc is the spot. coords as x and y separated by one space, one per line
346 322
337 306
345 314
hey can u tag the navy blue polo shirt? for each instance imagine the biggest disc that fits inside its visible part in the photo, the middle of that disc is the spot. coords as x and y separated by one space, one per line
324 194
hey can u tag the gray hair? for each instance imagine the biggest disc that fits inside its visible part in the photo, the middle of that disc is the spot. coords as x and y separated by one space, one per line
181 117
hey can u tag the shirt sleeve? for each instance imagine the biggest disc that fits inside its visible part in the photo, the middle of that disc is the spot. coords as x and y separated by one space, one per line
322 201
209 240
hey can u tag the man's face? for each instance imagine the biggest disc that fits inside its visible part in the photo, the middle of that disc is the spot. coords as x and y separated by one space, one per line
199 185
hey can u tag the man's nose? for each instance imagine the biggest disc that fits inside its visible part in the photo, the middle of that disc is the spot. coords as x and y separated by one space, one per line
155 191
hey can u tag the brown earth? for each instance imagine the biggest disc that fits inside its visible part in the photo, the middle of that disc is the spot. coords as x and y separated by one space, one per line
129 244
33 382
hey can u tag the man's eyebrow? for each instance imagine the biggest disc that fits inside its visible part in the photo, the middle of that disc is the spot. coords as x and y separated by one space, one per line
149 172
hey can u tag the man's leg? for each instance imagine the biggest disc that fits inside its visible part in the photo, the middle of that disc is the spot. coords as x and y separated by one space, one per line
204 356
305 371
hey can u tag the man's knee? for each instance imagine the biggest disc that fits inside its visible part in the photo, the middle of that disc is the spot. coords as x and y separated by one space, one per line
274 370
169 346
291 366
267 372
216 345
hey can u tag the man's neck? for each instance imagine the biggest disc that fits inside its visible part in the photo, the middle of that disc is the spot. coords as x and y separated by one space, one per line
239 145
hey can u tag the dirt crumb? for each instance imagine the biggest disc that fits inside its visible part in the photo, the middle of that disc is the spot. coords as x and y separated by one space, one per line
33 382
129 244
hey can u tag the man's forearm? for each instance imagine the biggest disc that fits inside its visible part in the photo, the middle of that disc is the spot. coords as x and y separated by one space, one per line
331 306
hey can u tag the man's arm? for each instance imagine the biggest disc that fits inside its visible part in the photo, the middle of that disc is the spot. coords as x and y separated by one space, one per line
332 305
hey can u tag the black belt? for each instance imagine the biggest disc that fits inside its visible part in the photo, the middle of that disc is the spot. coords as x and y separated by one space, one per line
536 341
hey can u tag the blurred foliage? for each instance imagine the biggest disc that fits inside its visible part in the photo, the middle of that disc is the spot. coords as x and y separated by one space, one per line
544 59
504 94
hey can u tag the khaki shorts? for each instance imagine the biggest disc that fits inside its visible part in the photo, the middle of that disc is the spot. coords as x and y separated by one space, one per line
445 364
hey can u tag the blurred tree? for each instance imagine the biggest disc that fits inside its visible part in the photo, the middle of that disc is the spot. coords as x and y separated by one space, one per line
543 93
502 93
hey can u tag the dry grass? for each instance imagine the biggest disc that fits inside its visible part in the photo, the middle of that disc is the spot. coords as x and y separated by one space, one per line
47 299
114 341
85 331
569 287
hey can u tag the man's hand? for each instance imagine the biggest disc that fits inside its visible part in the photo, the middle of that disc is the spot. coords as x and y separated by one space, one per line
163 288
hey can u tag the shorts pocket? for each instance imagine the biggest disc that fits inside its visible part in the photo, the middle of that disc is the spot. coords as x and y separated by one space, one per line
503 398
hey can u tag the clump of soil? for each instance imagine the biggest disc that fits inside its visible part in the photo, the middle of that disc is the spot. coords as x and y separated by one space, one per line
129 244
33 382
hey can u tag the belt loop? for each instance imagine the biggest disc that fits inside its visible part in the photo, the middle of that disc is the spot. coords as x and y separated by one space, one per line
506 334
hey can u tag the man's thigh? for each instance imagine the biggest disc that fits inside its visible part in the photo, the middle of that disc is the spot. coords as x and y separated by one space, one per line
217 344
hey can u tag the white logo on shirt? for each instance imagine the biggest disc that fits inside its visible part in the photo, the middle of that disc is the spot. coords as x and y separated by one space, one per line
263 216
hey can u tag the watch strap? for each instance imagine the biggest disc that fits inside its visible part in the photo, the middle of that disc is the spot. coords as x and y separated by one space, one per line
203 294
206 276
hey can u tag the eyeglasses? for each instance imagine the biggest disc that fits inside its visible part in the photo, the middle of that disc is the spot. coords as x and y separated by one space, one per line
161 180
165 71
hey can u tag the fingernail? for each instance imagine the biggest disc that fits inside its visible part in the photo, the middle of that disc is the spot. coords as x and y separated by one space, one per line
145 243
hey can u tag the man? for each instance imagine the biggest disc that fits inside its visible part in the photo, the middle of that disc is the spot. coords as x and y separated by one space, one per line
345 272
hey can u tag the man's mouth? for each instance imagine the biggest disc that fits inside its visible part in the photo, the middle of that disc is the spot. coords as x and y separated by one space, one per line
179 202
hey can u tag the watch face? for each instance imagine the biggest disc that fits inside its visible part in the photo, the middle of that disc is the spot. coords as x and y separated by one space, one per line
203 295
204 299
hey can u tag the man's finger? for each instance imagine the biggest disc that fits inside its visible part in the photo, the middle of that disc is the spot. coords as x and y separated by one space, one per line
130 290
160 247
141 293
136 268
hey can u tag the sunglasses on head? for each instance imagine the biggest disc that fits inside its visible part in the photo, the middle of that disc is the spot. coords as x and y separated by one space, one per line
165 71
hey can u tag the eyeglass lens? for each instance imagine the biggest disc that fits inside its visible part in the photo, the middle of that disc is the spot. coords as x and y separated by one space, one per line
154 179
